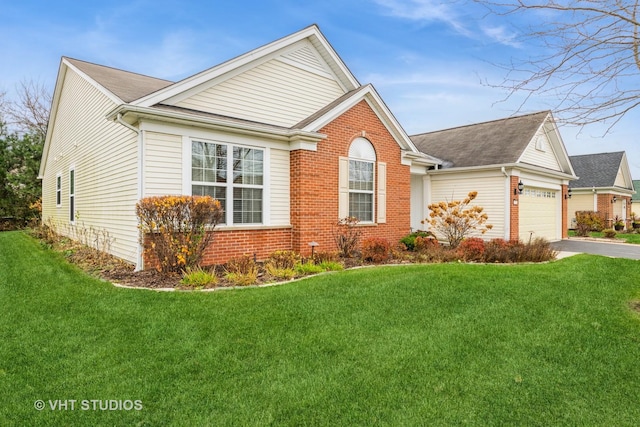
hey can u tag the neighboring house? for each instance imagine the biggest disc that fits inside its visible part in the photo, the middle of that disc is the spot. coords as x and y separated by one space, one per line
494 159
635 199
604 186
284 136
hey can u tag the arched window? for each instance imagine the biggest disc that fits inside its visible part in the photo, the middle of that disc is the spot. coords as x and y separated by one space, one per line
362 159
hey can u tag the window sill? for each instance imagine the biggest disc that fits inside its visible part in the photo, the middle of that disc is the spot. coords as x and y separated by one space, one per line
250 227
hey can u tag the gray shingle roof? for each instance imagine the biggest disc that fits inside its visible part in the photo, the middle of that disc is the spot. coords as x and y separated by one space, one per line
490 143
596 170
125 85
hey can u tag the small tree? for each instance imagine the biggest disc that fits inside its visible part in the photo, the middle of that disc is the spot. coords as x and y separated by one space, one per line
455 220
177 229
347 236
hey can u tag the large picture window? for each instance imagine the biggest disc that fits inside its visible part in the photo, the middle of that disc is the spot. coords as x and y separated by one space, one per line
230 173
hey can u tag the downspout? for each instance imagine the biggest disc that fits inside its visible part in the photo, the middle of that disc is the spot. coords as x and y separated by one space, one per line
507 211
140 261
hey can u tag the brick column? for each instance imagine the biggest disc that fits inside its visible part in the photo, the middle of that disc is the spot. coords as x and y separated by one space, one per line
514 217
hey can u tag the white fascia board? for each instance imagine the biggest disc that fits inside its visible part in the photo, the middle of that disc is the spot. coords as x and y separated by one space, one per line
513 168
249 58
295 137
372 98
62 72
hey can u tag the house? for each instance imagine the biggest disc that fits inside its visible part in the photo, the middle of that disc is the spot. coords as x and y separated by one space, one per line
635 199
604 186
518 165
284 136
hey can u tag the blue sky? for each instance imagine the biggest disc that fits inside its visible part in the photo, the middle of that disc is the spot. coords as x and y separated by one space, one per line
426 58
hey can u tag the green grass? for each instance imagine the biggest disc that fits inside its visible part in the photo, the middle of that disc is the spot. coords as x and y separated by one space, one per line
633 238
449 344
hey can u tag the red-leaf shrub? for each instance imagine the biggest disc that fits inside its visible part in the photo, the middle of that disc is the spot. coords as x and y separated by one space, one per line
376 249
471 249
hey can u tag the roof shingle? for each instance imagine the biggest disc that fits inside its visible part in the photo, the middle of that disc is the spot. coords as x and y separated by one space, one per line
596 170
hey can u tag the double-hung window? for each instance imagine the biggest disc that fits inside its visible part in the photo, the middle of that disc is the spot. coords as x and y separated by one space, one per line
234 175
72 195
361 190
58 190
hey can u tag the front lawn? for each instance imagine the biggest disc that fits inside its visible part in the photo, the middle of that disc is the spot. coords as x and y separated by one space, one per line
633 238
548 344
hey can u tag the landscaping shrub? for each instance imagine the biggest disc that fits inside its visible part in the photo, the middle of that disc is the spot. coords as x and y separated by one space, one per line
347 236
409 241
241 271
331 266
198 277
282 265
376 249
309 268
538 250
177 229
455 220
587 221
425 243
325 256
497 250
609 233
471 249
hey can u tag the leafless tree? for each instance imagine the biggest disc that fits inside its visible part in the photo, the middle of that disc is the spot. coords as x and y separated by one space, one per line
586 58
30 111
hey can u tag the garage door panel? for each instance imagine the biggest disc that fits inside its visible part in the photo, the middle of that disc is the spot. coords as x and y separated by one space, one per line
539 213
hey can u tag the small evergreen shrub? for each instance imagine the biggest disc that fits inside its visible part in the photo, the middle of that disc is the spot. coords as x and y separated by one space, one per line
197 277
609 233
376 249
471 249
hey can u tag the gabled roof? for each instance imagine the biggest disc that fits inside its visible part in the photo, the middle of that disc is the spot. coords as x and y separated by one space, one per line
490 143
312 33
636 186
598 170
127 86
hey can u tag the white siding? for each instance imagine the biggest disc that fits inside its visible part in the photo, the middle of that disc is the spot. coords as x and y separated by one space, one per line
418 204
275 92
280 188
491 196
162 164
579 202
620 182
545 157
104 155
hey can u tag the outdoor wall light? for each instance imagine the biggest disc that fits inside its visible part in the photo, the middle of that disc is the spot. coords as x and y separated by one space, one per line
568 195
614 199
519 189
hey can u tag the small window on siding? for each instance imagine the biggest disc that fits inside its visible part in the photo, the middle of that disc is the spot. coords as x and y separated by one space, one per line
72 195
58 190
540 143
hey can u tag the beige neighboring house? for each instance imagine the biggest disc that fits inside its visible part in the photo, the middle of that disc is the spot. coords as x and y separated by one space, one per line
518 165
604 186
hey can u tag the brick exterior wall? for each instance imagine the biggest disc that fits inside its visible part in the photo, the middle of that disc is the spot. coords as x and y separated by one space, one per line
514 217
314 195
314 182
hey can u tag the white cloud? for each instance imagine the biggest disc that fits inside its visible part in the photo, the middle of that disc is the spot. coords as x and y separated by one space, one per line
501 35
424 11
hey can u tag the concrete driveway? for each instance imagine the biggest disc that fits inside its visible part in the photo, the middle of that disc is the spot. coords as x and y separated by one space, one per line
615 250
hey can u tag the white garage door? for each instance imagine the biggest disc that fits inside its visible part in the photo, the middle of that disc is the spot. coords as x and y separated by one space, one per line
539 208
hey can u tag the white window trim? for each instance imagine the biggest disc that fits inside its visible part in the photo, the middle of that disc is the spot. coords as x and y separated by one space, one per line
229 186
372 191
59 189
72 195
